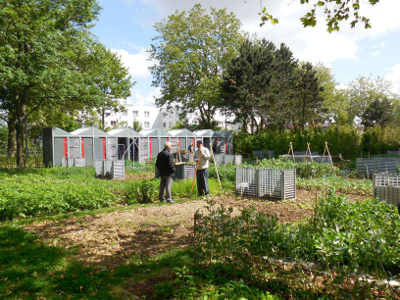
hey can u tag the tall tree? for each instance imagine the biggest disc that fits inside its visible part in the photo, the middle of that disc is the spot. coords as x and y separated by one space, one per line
49 58
307 95
282 84
190 56
362 91
114 82
379 112
326 80
246 82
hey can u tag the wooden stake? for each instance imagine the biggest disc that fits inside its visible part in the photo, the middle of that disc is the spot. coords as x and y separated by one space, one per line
216 168
291 150
195 241
326 150
308 150
195 172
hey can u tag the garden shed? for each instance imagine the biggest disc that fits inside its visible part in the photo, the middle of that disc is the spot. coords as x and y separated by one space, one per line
223 142
156 138
206 135
95 144
55 146
128 141
185 137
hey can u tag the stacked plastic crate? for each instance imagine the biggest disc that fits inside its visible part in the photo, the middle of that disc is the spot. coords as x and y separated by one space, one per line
386 187
266 183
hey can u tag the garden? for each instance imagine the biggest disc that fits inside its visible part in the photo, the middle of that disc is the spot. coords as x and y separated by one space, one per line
67 235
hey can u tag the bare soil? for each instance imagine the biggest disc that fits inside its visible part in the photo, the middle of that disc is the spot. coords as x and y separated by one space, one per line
110 239
138 176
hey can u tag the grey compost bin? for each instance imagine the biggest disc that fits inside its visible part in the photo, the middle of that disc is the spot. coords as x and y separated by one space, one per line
128 141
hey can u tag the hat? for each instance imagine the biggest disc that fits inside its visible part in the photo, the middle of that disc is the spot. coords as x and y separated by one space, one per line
199 142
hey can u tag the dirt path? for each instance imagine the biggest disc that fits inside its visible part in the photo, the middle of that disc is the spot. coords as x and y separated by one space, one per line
110 239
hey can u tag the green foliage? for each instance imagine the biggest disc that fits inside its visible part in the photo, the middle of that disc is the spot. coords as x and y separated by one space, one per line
38 199
341 140
359 187
379 112
354 237
146 191
335 11
187 77
226 172
380 139
210 286
246 82
303 169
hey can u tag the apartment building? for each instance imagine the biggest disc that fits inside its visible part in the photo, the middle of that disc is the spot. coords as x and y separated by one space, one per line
153 117
150 117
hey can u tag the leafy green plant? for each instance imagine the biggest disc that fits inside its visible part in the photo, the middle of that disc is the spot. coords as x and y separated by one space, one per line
353 237
163 290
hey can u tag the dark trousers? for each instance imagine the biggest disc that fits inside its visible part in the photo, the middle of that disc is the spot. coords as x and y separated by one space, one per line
202 182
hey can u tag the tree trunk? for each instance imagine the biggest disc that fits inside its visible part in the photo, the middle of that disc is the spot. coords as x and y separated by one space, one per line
11 136
102 118
21 123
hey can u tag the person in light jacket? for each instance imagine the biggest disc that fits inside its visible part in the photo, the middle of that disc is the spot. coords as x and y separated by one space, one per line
202 156
166 167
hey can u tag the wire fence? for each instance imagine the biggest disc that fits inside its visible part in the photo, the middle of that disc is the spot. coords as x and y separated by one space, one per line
31 159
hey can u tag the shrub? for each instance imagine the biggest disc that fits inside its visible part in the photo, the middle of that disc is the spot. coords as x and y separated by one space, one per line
341 140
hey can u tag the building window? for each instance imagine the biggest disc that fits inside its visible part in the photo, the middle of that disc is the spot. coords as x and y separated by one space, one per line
171 124
164 124
147 114
113 123
165 115
124 113
135 113
171 114
125 102
146 124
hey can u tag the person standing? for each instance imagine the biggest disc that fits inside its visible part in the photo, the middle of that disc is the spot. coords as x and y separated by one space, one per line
202 156
191 148
166 167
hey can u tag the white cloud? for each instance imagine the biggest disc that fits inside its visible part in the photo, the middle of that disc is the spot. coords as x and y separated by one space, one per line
383 45
144 100
313 44
136 63
375 54
395 78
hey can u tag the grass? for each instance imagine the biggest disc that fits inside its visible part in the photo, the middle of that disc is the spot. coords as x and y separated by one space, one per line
33 270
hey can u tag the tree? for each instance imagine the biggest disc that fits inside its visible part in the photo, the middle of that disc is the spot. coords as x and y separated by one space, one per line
282 87
190 56
307 95
335 11
362 91
49 59
327 82
137 125
379 112
114 81
246 82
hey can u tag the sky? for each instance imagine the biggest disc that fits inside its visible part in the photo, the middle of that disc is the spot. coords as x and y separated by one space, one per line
127 28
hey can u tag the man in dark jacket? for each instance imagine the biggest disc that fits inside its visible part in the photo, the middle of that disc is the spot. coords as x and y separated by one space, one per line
166 167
